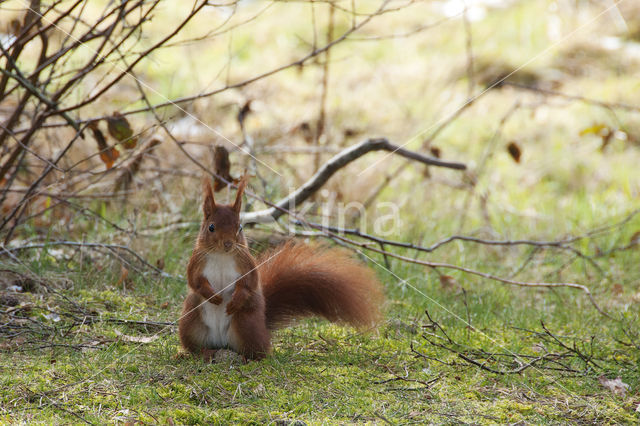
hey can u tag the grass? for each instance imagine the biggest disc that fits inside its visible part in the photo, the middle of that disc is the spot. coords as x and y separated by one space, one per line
67 357
321 372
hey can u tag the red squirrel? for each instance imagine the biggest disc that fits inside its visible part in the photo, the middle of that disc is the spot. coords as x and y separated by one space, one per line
234 300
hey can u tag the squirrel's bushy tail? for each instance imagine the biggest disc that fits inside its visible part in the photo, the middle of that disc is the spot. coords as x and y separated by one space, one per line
300 280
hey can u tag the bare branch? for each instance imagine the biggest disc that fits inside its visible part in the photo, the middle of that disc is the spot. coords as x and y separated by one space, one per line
331 167
111 247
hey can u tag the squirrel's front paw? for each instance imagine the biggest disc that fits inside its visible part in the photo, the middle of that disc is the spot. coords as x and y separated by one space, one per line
216 300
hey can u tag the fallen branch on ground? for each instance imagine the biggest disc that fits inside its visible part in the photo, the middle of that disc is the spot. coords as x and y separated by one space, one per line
435 265
507 362
110 247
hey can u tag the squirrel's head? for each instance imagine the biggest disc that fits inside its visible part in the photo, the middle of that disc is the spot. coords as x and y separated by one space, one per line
221 230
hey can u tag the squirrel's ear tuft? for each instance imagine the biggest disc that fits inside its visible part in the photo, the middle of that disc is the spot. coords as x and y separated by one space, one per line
237 206
208 203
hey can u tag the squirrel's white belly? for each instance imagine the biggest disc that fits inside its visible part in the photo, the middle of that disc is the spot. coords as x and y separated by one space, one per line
221 272
217 322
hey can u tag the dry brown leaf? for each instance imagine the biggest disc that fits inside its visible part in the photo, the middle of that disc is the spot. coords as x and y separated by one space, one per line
617 289
606 138
448 282
124 273
121 130
305 130
244 112
97 134
616 386
349 133
137 339
635 238
109 156
160 263
222 168
435 151
165 305
514 151
15 26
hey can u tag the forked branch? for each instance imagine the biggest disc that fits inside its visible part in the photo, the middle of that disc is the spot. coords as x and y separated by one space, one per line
339 161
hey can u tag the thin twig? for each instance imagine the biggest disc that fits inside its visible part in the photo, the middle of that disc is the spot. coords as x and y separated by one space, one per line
93 246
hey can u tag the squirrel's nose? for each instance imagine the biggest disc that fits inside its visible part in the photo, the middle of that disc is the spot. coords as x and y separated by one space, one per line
227 245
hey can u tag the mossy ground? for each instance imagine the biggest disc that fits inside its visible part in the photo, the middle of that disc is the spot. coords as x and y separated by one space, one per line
321 372
69 357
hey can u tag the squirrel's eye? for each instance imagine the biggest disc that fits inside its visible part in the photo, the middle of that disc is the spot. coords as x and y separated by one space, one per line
212 227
